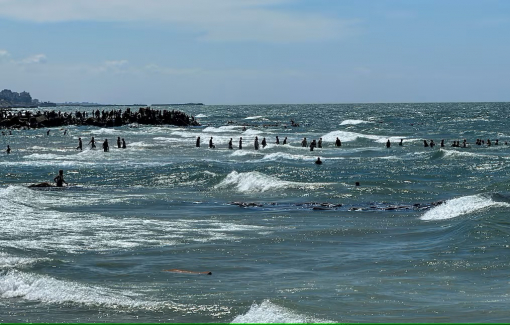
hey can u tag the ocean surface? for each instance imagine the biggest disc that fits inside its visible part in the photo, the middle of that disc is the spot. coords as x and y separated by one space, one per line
425 237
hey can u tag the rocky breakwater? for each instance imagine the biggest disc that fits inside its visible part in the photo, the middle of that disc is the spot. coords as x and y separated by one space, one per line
104 118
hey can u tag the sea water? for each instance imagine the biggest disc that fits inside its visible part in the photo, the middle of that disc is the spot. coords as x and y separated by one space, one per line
285 240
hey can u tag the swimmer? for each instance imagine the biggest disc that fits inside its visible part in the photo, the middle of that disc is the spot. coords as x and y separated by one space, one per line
92 143
319 144
59 179
442 143
401 142
388 143
425 143
119 143
277 140
318 161
304 143
432 144
80 144
264 143
285 140
230 144
198 142
8 149
256 143
106 147
48 132
338 143
123 144
211 144
241 143
313 144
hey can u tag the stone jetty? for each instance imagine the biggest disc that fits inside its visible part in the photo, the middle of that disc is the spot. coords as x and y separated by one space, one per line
104 118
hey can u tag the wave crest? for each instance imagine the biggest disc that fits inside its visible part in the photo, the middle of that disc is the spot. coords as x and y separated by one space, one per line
461 206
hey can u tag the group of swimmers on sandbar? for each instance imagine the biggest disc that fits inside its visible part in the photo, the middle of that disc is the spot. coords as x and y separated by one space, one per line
304 143
106 146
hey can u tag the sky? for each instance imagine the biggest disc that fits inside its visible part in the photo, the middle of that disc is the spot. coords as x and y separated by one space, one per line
235 52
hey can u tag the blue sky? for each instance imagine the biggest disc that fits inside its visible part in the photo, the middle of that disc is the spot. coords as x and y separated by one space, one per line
256 51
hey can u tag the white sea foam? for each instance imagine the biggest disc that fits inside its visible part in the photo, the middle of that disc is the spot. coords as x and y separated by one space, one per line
44 156
221 129
201 115
258 182
9 261
267 312
461 206
31 220
277 156
354 122
254 117
107 131
348 136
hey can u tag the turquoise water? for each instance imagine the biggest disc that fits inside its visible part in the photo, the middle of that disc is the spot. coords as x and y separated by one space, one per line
286 240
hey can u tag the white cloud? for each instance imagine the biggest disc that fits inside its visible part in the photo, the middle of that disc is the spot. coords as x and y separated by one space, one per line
218 20
34 59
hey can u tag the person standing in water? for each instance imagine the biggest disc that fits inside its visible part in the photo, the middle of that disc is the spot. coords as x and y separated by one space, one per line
338 143
119 143
304 143
198 142
59 179
318 161
256 143
211 144
319 144
241 143
277 140
80 144
106 147
92 143
123 144
264 143
8 151
388 143
230 144
285 140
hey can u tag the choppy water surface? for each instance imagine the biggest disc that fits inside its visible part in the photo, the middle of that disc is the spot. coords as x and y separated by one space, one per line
286 240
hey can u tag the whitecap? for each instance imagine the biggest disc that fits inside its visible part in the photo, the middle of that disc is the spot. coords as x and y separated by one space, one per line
268 312
259 182
201 115
354 122
254 117
276 156
461 206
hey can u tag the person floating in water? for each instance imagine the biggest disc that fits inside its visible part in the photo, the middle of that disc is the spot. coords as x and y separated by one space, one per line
106 147
256 143
59 179
338 143
211 144
119 143
240 142
198 142
318 161
8 149
123 144
264 143
80 144
388 143
92 143
230 144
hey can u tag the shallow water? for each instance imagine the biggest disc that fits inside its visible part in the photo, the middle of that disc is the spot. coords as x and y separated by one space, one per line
286 240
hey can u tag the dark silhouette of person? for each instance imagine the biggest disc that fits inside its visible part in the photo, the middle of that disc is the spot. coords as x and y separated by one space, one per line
230 144
80 144
277 140
318 161
106 147
264 143
198 142
8 149
338 143
401 142
388 143
256 143
241 143
211 144
123 144
285 140
119 143
92 143
59 179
